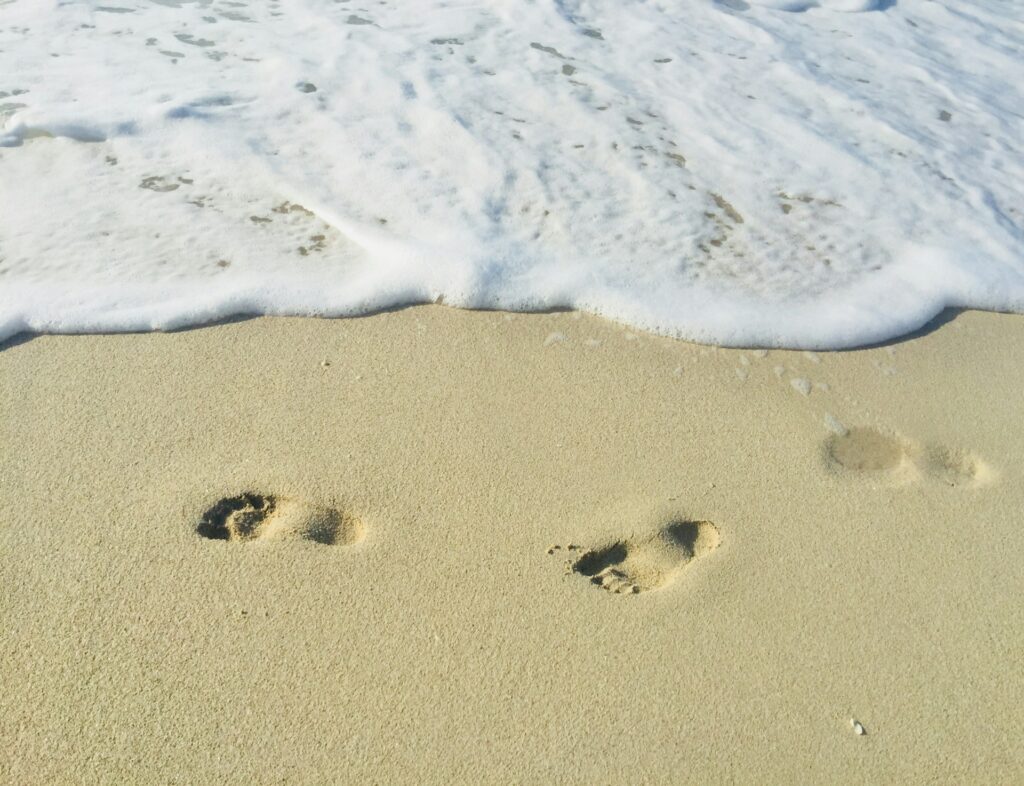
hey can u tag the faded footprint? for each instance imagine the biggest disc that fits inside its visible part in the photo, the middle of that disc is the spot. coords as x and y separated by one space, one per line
638 565
867 450
864 450
265 517
955 467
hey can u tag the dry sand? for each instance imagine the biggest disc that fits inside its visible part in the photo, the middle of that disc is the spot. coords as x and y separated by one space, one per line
753 550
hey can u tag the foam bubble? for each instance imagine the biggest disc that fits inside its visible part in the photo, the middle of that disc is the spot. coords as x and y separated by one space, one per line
723 171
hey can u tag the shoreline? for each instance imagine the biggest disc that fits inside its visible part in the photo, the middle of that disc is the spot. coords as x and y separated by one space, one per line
944 315
794 550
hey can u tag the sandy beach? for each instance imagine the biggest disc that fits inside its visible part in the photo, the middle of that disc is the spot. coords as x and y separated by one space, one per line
441 546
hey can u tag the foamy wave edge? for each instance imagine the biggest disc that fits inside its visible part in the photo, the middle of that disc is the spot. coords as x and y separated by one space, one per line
896 302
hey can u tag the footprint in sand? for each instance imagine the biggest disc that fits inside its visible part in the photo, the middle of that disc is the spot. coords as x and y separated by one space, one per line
264 517
866 450
642 564
955 467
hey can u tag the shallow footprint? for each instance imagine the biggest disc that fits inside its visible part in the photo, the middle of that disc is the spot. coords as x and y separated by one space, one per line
955 467
638 565
251 516
866 450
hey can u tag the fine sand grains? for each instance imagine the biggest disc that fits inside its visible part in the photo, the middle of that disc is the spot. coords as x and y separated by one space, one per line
339 575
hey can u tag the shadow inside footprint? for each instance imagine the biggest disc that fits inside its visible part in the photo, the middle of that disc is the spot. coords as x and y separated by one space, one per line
250 516
236 518
639 565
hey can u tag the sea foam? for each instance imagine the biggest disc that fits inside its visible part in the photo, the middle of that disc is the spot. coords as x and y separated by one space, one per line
803 173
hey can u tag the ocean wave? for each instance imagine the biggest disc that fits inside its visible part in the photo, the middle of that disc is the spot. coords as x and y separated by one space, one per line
816 174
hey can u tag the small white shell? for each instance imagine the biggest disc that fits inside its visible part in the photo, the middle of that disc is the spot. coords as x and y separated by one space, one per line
833 424
801 385
858 727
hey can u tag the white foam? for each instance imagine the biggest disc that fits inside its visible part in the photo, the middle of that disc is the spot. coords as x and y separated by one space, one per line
720 170
846 6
